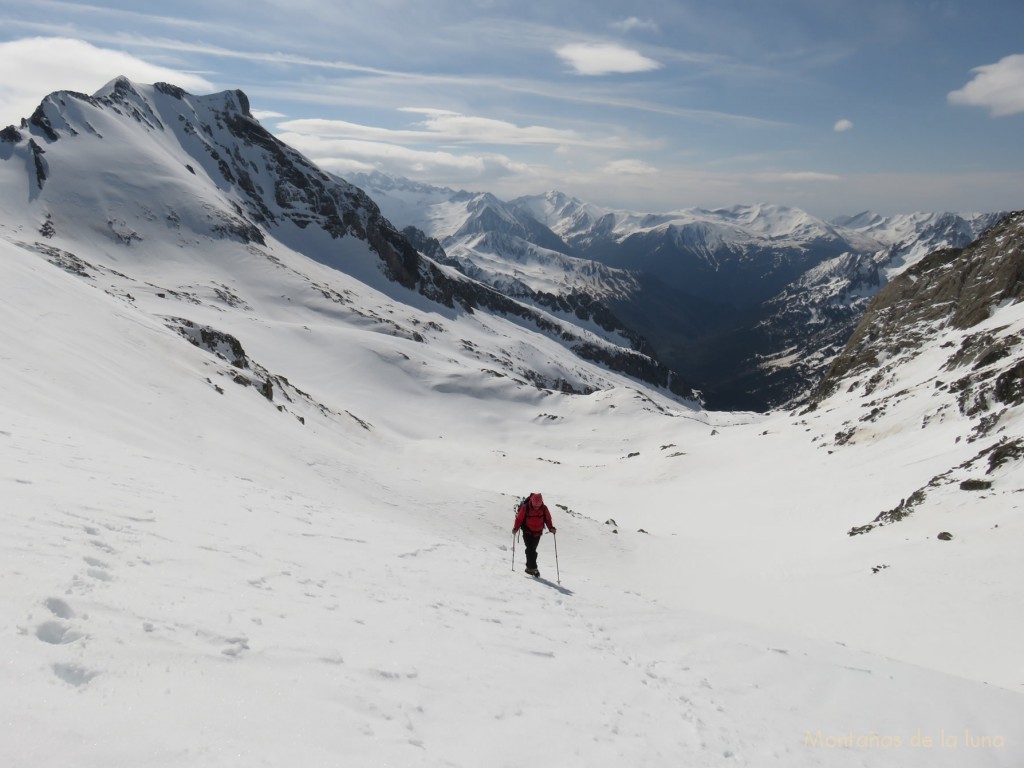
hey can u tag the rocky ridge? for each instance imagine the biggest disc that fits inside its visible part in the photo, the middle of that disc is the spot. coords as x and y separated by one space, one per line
954 317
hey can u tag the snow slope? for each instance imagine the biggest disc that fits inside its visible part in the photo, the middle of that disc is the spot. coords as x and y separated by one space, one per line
196 578
289 543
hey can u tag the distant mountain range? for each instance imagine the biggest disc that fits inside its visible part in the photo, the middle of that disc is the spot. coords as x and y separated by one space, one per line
749 303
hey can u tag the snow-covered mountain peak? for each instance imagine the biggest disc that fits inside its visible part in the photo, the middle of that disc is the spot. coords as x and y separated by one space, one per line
902 228
860 220
776 221
69 113
199 175
580 222
559 211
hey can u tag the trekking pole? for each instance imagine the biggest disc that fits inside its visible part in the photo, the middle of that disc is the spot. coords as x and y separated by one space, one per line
558 573
514 537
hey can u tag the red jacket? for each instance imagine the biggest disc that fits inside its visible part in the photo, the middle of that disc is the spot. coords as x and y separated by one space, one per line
533 515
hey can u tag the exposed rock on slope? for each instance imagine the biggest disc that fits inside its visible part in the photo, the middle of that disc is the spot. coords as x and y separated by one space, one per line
948 335
807 324
956 287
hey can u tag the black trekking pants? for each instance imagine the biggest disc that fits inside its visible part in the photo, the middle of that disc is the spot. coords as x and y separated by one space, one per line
531 540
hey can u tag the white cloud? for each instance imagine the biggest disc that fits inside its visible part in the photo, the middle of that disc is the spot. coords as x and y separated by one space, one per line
997 87
484 130
630 167
266 114
842 126
604 59
633 23
35 67
445 127
436 166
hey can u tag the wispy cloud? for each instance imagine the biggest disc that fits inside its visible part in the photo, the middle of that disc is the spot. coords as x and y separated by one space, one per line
382 92
630 167
119 41
605 59
453 126
378 87
35 67
267 114
85 10
997 87
440 126
795 176
436 166
263 57
633 24
842 126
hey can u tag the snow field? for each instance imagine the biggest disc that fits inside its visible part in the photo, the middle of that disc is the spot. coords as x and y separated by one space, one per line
198 579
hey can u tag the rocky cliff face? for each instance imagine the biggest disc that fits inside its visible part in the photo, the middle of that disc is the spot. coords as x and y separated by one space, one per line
954 287
944 339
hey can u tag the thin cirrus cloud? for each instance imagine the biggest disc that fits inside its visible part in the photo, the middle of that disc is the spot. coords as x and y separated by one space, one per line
445 127
633 24
267 114
997 87
347 155
630 167
795 176
605 59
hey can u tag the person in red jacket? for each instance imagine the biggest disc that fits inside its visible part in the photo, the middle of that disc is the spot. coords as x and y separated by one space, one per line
532 516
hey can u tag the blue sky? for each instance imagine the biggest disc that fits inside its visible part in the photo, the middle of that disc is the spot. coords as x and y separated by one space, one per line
833 106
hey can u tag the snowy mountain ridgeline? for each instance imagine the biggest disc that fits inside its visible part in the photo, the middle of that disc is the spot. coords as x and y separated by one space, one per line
139 164
261 448
750 303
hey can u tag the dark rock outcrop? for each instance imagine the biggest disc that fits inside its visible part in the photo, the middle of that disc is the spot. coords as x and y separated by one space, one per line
959 287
